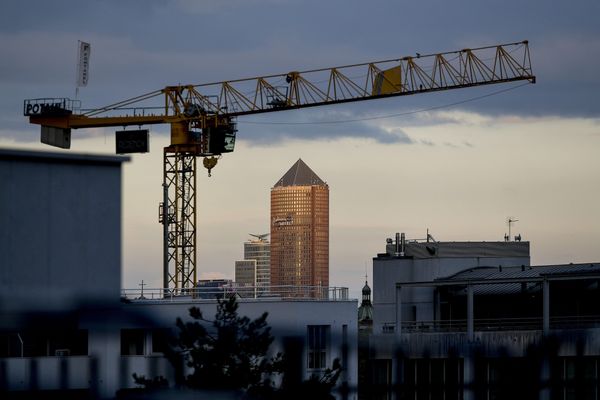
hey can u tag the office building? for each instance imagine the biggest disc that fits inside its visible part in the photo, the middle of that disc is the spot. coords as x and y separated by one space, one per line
253 273
474 320
245 273
300 229
245 278
259 248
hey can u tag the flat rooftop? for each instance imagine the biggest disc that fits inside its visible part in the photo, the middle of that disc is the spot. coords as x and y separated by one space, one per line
422 250
60 157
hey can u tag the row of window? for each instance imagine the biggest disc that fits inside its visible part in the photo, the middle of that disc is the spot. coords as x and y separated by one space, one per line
64 343
134 342
41 343
494 378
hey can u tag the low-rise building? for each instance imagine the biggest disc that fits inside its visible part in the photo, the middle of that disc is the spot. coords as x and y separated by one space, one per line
476 320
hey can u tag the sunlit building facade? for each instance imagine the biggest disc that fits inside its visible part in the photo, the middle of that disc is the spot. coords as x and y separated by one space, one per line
300 229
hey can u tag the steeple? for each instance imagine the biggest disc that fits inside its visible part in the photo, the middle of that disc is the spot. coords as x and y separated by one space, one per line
365 311
300 174
366 294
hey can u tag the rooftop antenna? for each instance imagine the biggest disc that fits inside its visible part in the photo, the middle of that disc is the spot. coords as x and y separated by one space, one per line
510 221
430 237
142 285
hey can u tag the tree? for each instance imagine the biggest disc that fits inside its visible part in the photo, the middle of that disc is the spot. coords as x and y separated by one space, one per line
317 387
229 352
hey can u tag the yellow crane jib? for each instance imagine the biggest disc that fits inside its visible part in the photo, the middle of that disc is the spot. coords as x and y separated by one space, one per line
202 120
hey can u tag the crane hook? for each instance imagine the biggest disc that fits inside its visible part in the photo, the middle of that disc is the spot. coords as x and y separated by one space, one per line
210 163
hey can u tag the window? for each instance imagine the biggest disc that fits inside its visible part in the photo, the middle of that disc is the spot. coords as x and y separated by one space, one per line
9 345
433 378
132 342
70 343
160 341
318 341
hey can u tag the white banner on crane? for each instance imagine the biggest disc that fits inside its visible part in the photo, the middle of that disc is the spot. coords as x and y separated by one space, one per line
83 66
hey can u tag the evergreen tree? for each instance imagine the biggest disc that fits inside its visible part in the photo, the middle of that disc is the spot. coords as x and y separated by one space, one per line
229 352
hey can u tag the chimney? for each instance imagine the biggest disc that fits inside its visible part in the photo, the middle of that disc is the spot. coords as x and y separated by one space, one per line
402 245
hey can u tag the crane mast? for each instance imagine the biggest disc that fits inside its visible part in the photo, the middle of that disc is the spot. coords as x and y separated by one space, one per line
202 120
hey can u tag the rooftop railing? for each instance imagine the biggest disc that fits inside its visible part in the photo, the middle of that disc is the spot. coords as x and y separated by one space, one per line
495 324
308 293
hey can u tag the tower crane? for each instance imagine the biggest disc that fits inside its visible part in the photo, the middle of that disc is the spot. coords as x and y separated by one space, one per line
202 119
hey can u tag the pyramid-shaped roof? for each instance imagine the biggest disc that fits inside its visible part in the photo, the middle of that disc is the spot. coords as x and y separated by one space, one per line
300 175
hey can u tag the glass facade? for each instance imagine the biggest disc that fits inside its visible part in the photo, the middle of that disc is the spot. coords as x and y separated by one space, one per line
260 250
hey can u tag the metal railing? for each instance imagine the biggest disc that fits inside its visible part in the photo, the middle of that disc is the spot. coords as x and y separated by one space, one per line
309 293
495 324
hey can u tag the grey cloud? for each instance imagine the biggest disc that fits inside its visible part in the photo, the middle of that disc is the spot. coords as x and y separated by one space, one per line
134 51
275 134
213 7
428 142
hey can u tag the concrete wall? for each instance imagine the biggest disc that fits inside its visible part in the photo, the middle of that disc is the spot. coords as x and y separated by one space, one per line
60 229
46 373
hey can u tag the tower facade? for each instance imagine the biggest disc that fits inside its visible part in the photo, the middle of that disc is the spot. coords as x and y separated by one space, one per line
300 229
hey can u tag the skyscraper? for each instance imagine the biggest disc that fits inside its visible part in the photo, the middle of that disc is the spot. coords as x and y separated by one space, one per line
300 229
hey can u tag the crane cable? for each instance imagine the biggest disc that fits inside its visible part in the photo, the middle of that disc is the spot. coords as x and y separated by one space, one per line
386 116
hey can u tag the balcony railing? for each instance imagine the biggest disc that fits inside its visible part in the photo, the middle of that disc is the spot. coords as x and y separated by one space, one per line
495 324
308 293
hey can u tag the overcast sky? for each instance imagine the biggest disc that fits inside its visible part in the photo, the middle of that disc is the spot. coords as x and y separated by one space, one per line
530 153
